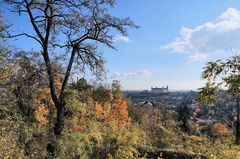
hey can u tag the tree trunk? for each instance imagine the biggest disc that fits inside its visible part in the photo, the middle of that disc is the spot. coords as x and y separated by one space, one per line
60 118
238 122
58 127
59 104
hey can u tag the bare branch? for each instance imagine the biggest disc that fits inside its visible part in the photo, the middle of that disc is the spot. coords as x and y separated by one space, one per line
23 34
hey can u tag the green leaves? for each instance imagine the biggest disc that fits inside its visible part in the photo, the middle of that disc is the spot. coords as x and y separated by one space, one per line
117 89
207 94
220 74
212 69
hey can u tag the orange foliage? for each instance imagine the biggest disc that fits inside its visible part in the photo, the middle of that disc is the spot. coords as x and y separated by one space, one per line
41 114
220 129
45 102
45 93
116 113
102 111
197 128
119 112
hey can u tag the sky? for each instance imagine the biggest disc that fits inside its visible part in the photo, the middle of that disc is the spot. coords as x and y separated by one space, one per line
174 41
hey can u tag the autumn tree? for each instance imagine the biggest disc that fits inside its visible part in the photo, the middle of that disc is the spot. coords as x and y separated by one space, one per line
113 106
119 107
222 74
119 112
77 28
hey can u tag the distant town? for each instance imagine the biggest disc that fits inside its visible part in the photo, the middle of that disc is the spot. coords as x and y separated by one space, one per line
224 110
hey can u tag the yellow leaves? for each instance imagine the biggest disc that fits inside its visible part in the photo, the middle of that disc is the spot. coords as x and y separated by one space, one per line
5 74
102 110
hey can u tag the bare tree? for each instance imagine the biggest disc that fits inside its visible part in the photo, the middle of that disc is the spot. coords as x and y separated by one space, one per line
76 26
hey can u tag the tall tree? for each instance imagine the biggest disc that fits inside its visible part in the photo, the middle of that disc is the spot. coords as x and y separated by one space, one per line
75 27
184 116
117 89
222 74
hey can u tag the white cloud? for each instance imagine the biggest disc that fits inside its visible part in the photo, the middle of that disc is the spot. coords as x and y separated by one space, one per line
142 72
196 57
121 38
220 36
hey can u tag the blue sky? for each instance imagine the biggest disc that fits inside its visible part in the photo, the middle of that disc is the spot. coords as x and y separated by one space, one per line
174 41
149 54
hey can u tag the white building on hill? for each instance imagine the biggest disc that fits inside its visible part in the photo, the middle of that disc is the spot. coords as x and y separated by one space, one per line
159 90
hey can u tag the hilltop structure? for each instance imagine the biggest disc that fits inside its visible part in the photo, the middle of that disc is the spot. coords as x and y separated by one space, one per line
156 90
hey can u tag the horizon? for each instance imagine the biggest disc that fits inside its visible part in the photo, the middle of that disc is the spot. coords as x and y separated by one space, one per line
171 90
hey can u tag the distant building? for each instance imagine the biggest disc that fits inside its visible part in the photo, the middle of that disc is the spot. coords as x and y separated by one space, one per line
159 90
